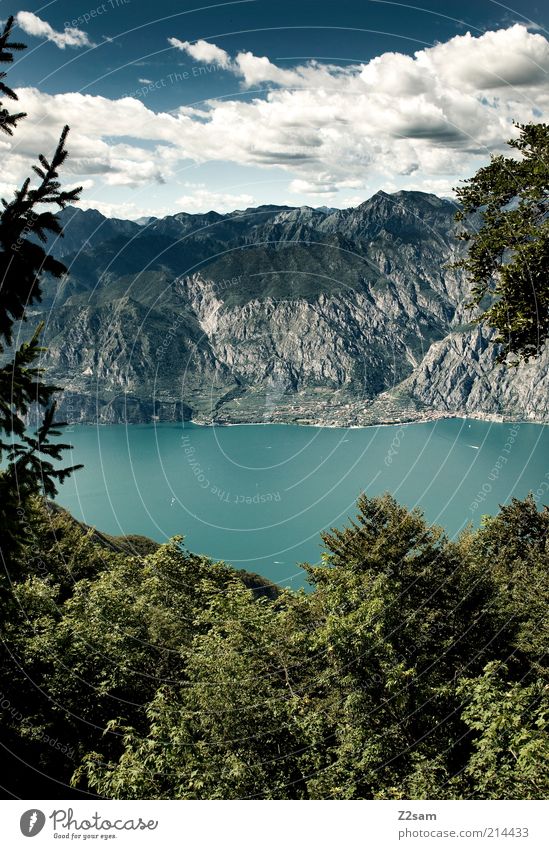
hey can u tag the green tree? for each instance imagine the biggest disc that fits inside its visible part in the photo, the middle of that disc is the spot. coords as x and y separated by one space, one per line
508 256
25 223
516 545
349 691
414 668
509 722
236 725
406 612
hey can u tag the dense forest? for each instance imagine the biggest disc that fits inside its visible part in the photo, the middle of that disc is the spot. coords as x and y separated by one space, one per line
413 667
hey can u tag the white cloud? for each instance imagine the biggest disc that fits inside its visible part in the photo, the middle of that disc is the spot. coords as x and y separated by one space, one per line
93 121
130 211
352 200
202 51
253 69
509 57
83 184
259 69
433 115
201 199
322 184
421 121
309 187
441 187
70 37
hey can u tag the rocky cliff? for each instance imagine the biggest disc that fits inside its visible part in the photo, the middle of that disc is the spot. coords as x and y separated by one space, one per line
460 375
276 314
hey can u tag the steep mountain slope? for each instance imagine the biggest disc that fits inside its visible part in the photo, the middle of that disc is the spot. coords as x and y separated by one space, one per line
276 313
460 375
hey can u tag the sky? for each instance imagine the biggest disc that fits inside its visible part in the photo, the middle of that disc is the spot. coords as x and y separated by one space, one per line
177 106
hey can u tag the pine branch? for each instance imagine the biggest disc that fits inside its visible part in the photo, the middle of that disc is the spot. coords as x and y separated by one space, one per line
8 121
22 265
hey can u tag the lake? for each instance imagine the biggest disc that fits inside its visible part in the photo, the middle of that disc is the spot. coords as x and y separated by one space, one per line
258 496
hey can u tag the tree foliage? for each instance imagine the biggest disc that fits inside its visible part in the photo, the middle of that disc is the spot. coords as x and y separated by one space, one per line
25 223
508 256
415 667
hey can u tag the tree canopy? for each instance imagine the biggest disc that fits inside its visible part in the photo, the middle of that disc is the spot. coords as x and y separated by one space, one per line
415 667
506 205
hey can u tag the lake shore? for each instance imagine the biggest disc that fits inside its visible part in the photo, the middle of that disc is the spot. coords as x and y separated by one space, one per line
351 424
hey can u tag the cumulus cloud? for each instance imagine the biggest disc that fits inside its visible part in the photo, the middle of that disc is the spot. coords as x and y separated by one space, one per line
83 184
253 69
259 69
70 37
201 199
203 51
124 210
429 114
322 184
507 57
422 120
309 187
95 127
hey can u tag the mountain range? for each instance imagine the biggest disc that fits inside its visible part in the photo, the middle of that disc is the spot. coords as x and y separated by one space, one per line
339 317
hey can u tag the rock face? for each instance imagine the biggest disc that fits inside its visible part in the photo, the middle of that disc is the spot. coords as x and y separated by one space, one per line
276 314
460 375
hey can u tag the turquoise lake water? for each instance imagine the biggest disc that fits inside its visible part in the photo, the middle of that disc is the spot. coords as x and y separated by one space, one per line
258 496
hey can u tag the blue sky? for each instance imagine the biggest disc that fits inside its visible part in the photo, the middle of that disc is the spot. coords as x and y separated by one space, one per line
174 107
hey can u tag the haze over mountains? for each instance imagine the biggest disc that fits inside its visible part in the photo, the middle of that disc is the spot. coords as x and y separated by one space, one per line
276 314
